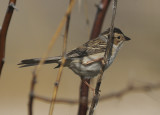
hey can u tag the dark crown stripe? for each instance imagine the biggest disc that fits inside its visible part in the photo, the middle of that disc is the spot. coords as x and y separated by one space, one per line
116 30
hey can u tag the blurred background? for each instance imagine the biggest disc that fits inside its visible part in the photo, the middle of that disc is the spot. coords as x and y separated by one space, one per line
31 30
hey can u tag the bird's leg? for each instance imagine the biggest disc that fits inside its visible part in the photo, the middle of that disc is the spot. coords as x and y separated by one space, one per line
85 82
92 61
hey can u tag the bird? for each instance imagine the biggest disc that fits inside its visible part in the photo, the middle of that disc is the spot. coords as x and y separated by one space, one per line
86 60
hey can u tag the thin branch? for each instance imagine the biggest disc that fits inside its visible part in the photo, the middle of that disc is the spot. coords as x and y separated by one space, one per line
101 11
35 71
31 96
87 16
119 94
129 89
110 42
49 100
62 64
4 30
104 62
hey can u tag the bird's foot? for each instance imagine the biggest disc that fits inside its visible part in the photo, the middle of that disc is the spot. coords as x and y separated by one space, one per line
92 89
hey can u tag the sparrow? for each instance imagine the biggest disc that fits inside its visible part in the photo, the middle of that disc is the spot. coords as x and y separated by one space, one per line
86 60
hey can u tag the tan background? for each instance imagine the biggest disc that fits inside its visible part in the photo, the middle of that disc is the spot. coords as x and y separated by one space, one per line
33 26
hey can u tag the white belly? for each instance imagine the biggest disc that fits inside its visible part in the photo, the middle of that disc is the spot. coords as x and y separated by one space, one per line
88 71
81 68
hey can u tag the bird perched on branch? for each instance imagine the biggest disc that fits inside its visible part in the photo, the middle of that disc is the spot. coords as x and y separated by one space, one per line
86 60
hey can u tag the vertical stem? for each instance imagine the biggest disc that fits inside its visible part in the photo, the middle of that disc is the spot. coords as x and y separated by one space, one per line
108 52
101 11
3 31
55 91
31 95
104 62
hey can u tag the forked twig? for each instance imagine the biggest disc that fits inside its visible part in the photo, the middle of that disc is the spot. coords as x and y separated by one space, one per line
101 11
104 62
4 30
35 71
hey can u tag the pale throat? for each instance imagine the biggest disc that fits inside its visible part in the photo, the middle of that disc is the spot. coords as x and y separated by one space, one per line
115 50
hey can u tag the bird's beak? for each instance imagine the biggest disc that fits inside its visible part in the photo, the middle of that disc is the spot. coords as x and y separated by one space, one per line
127 38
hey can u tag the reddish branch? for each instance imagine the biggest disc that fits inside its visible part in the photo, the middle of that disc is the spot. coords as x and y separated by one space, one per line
83 98
3 32
101 11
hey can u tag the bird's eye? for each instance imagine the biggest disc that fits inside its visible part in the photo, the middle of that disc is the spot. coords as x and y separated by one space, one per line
118 37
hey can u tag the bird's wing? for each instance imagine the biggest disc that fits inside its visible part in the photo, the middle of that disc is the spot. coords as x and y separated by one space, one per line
91 47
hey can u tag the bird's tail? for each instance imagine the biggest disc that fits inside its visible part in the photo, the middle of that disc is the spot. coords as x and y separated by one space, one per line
35 61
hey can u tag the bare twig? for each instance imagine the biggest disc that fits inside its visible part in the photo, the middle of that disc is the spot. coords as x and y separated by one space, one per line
62 64
49 100
3 31
101 11
104 62
110 42
31 96
121 93
87 16
129 89
35 71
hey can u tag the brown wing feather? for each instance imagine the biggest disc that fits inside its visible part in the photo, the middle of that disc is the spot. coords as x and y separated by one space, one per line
94 46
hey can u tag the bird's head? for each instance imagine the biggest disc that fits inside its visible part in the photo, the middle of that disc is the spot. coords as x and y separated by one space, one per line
118 36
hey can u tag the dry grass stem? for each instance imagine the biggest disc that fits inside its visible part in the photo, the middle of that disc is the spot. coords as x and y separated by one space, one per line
62 63
35 71
56 87
55 36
